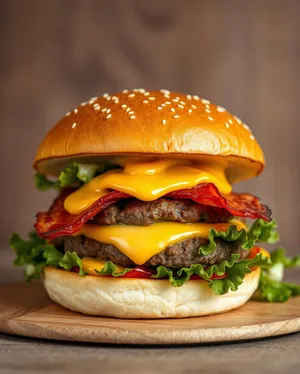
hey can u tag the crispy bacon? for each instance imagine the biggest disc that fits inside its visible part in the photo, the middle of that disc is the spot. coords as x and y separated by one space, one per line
238 204
58 222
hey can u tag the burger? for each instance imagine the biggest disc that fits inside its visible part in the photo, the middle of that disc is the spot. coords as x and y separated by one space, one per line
145 223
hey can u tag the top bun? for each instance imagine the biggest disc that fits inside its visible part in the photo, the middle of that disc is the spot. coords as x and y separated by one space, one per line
151 123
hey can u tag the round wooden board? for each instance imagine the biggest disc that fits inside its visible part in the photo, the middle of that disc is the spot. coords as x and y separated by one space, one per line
26 310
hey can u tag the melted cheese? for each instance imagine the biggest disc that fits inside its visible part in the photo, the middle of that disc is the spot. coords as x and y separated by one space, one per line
89 265
148 181
140 243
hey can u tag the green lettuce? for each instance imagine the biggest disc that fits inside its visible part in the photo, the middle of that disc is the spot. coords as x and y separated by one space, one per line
260 231
271 287
35 253
235 270
74 174
44 184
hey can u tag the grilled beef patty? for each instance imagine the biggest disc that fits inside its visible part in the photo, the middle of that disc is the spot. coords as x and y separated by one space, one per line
181 254
144 213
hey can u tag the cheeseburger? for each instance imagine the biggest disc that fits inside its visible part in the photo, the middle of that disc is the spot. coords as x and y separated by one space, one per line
145 223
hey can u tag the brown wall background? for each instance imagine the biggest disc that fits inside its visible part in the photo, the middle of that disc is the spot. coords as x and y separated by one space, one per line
244 55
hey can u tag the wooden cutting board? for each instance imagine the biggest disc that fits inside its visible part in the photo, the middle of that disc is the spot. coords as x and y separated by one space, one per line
26 310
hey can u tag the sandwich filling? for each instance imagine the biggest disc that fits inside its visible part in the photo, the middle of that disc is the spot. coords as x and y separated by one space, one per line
174 219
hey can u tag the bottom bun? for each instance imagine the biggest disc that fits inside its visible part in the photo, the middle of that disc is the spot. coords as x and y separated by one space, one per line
142 298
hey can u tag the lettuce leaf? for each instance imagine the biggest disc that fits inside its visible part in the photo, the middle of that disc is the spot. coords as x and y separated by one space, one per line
271 287
235 270
44 184
74 174
111 269
260 231
35 253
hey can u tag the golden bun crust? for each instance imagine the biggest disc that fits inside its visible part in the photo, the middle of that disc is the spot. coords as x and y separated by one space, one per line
142 298
158 123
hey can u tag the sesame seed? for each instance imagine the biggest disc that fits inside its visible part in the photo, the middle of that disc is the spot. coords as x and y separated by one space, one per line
159 108
132 117
145 101
104 110
167 102
115 98
208 110
180 106
135 90
105 95
67 114
108 111
116 102
173 110
167 92
177 97
125 91
176 116
83 104
221 109
141 90
74 125
210 118
93 99
194 106
175 100
131 112
163 104
182 102
124 106
230 121
189 97
252 137
166 96
108 116
238 120
146 93
190 111
76 111
246 127
96 107
131 95
151 98
204 101
195 97
128 110
163 121
108 98
227 125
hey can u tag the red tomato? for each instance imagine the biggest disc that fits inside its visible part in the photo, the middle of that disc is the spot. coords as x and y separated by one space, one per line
139 272
214 276
253 252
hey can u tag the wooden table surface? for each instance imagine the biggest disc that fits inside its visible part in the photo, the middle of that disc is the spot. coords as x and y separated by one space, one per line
22 355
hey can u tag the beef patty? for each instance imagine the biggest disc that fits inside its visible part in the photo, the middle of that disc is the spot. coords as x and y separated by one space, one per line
181 254
144 213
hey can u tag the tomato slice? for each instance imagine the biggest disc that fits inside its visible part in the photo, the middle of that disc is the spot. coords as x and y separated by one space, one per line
253 252
139 272
214 276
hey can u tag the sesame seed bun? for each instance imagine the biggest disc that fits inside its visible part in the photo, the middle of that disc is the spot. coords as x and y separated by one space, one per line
153 123
142 298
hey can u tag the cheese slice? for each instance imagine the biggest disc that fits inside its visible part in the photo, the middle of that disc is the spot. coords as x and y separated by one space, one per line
140 243
148 181
89 266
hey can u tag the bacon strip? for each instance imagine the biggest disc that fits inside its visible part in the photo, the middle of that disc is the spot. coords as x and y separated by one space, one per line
238 204
58 222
